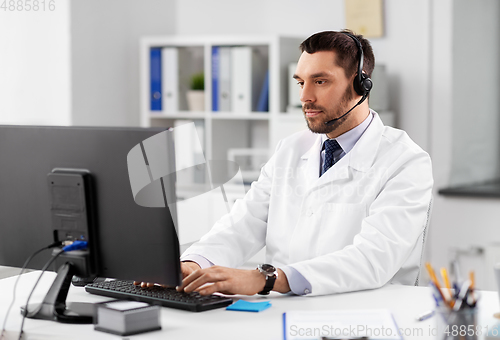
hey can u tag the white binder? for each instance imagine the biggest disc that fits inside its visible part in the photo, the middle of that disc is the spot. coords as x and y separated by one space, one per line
170 79
225 79
247 75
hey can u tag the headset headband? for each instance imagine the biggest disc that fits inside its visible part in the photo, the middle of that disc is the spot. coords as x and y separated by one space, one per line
362 84
361 55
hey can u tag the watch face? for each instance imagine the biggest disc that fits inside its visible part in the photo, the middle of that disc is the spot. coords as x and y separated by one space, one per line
267 268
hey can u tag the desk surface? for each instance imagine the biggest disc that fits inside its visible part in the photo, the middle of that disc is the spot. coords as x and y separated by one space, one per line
405 302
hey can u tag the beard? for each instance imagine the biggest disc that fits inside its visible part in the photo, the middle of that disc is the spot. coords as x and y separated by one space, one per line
317 124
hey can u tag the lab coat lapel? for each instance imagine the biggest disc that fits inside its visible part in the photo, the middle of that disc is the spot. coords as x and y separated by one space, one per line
364 152
312 162
338 171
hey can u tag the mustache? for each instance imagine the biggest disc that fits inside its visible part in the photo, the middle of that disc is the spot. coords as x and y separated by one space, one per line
310 106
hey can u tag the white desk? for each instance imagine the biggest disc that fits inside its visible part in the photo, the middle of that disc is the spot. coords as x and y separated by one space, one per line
405 302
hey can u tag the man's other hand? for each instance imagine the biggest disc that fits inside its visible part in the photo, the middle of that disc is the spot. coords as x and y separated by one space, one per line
230 281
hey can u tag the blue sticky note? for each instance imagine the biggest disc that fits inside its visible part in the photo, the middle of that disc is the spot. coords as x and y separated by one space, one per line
246 306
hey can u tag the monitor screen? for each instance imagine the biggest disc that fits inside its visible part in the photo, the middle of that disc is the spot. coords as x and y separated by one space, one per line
131 241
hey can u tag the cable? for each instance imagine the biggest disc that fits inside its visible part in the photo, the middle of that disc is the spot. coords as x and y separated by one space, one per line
36 283
77 245
74 246
23 268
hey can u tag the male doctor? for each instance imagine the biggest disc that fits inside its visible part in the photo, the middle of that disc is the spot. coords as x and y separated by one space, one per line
341 206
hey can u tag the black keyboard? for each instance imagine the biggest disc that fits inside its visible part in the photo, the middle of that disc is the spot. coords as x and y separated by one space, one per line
168 297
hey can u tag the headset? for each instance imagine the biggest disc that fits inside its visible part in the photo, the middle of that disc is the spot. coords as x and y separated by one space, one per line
362 83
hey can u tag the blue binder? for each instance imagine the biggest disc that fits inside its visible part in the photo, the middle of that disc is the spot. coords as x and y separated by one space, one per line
155 78
263 104
215 78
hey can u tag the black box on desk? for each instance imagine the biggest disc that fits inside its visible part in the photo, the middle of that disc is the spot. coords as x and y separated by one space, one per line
127 317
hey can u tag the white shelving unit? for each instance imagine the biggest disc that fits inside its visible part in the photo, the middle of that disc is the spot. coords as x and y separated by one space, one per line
227 130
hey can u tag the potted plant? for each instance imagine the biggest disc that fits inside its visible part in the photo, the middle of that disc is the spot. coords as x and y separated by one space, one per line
196 96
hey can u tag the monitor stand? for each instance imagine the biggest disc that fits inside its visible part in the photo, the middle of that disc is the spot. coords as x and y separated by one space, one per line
53 306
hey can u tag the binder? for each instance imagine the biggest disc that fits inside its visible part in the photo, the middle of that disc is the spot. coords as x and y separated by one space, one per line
155 79
225 79
247 76
263 104
215 77
170 79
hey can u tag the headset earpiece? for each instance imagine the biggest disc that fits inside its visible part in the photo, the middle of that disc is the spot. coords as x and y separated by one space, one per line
362 83
365 85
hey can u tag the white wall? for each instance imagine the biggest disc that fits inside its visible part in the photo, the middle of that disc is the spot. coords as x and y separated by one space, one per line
476 145
105 56
287 17
35 66
404 48
441 99
78 64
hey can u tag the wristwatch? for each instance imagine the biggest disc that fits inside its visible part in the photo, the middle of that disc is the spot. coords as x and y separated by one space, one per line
271 275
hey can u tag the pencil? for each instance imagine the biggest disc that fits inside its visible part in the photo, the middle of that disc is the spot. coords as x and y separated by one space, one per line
446 282
434 280
472 286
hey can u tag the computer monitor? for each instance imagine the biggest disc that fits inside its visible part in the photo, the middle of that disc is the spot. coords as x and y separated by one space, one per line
126 240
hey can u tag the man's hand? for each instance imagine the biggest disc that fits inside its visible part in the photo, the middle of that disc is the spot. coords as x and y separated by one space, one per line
186 269
230 281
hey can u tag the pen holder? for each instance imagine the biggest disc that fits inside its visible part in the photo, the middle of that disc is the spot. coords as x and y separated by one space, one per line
455 325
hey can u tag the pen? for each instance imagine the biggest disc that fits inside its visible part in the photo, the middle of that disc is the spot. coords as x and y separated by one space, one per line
426 315
438 295
461 295
456 269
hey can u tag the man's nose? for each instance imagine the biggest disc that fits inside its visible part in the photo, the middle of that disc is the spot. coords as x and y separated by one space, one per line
307 94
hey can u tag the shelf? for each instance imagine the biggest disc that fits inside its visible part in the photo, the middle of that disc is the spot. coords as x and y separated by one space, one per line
179 115
213 115
291 116
241 116
489 189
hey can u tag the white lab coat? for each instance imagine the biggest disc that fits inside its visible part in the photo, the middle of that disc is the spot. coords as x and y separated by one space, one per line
359 226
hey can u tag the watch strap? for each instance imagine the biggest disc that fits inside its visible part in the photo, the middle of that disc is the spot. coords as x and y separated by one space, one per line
270 280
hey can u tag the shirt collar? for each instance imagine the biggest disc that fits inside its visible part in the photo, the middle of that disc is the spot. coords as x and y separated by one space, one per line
348 139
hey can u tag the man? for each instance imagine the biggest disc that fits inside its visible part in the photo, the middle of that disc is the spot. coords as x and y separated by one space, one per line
356 224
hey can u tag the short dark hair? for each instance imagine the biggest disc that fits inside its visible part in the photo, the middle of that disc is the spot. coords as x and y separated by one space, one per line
345 49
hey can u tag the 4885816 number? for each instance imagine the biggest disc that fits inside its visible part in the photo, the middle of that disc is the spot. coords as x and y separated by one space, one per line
469 330
28 5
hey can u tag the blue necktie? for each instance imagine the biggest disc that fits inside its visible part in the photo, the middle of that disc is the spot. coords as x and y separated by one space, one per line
330 146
